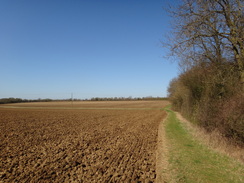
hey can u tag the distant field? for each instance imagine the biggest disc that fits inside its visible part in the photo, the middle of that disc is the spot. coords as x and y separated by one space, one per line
81 142
92 104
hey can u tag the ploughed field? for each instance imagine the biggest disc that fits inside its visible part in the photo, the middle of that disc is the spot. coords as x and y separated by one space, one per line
79 142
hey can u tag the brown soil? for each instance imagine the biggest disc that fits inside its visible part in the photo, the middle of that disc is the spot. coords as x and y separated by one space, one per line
162 167
65 145
92 104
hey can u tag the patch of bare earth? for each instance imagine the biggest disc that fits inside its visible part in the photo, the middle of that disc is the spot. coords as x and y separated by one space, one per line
92 104
162 166
44 145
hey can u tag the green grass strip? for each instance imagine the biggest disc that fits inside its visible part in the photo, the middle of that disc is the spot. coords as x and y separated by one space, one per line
191 161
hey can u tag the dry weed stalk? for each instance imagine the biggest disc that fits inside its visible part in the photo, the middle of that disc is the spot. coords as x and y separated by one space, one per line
214 140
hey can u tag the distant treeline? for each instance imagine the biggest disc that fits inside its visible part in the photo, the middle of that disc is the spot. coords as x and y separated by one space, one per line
126 98
19 100
208 41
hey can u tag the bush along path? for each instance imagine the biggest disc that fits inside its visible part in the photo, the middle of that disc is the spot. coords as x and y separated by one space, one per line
191 161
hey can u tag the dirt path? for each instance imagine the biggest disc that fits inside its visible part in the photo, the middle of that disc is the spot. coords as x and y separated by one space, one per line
161 155
48 145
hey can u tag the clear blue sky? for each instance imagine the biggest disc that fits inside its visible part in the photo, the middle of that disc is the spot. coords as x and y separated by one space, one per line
91 48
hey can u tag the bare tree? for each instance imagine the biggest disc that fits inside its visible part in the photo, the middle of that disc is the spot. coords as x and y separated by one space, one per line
209 31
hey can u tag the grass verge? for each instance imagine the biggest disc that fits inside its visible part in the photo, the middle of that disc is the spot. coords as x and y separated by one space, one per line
191 161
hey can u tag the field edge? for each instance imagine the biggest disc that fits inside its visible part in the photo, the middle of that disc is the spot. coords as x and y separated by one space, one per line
188 157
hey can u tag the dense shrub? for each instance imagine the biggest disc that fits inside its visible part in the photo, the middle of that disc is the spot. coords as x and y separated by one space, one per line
211 96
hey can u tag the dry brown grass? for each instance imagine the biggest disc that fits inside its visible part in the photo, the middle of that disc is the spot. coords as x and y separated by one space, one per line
214 140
